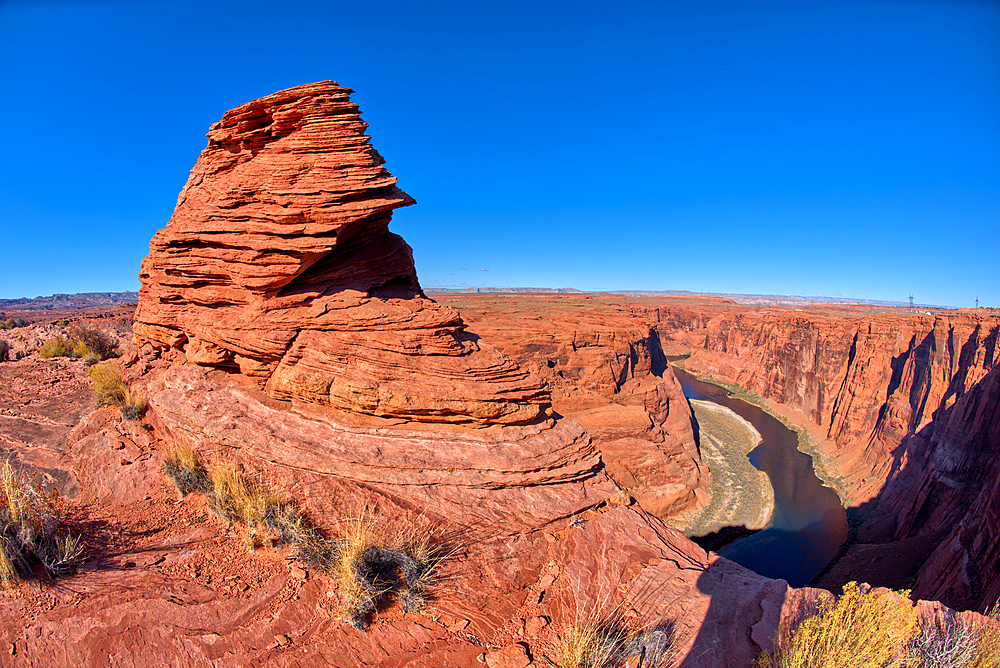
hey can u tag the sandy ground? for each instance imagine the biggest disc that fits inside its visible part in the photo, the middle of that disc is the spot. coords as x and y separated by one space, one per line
741 495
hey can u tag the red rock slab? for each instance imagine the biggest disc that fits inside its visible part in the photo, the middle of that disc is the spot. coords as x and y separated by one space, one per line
507 477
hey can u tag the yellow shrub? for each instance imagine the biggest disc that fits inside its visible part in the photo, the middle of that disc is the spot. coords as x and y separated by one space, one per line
55 347
988 641
109 385
860 630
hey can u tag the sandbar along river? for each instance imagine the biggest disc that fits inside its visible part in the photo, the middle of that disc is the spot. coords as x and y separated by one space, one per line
808 525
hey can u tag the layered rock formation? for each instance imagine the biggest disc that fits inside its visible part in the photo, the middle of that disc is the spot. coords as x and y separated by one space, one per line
280 323
898 404
278 261
607 372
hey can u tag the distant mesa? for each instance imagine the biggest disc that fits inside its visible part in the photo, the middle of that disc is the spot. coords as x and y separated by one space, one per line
82 300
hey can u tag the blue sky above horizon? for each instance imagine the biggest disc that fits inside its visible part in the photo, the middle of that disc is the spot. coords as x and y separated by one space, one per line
825 148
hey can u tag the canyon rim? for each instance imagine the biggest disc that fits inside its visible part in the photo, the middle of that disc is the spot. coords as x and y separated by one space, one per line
281 326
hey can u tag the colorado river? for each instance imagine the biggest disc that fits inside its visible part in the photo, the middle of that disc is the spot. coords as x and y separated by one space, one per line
808 525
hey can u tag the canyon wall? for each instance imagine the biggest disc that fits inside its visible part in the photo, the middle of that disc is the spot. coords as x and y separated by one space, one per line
903 411
606 371
900 407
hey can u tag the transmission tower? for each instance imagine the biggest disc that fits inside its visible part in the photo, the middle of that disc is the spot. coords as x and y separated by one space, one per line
977 303
911 302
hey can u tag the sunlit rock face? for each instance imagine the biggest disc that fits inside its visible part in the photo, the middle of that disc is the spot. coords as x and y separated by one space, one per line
278 262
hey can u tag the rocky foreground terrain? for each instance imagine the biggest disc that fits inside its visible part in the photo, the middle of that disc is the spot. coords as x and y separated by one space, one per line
281 325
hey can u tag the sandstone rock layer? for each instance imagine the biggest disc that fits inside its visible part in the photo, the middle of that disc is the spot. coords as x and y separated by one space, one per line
278 262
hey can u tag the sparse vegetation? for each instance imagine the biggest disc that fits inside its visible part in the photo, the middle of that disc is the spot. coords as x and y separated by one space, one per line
373 561
11 323
109 385
872 629
32 530
186 470
91 339
606 644
987 640
367 560
112 390
591 645
54 347
4 350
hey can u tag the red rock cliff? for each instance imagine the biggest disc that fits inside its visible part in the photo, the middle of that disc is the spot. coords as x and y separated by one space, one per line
904 407
604 364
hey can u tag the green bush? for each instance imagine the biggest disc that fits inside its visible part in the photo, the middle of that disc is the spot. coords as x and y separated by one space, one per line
54 347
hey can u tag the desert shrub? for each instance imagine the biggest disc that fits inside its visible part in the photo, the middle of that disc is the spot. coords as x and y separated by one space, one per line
109 385
91 339
595 644
54 347
90 359
134 407
4 350
186 470
950 646
871 629
987 641
235 498
604 642
368 561
654 647
32 530
373 562
11 323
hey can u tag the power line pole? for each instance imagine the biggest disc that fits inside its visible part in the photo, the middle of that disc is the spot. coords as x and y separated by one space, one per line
911 302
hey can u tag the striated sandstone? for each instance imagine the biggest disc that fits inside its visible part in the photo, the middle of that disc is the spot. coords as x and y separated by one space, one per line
278 262
607 371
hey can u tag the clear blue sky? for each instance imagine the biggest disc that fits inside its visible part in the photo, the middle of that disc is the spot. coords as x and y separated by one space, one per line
807 148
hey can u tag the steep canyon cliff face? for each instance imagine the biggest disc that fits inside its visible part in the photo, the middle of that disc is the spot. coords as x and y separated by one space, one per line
607 372
903 408
900 407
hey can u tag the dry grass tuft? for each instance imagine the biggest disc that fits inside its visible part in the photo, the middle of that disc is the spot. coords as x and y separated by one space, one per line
31 521
186 470
860 629
368 560
109 385
373 561
594 644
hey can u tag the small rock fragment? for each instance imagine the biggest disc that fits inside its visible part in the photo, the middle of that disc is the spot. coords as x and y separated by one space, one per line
298 572
511 656
534 626
458 626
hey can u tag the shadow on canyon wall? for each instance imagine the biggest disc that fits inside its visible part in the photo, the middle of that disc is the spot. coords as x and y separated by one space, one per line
933 528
